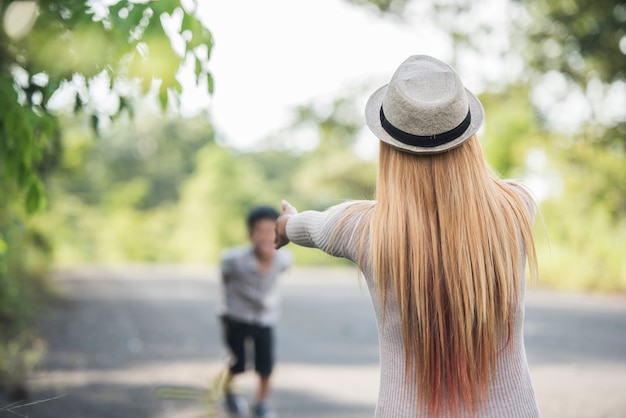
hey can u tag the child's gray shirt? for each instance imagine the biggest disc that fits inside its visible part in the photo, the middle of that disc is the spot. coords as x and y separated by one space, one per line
248 294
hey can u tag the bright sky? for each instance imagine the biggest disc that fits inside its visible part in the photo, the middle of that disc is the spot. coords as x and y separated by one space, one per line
270 56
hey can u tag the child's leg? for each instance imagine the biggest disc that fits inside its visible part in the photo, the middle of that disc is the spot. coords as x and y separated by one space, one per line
264 389
234 337
264 360
235 334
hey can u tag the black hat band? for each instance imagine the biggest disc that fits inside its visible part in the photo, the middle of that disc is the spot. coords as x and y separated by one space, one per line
427 141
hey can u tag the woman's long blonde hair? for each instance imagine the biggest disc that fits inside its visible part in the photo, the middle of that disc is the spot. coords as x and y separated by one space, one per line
450 240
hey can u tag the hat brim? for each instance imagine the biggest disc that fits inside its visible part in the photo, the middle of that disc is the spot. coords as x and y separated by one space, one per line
372 118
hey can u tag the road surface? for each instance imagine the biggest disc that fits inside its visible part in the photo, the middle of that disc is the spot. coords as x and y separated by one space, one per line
143 342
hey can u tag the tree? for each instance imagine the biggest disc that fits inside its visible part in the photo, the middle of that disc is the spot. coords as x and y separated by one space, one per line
91 57
582 39
70 46
583 43
128 179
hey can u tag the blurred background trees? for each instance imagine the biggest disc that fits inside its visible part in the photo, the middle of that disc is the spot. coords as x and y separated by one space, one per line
577 54
92 59
98 166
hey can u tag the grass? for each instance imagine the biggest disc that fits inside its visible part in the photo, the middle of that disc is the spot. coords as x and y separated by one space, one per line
210 399
12 407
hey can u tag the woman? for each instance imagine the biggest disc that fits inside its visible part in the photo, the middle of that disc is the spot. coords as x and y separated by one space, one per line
443 249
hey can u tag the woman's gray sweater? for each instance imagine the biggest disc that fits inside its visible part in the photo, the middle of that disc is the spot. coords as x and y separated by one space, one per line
511 394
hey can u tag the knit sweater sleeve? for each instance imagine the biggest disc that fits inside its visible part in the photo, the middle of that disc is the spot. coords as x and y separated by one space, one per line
331 230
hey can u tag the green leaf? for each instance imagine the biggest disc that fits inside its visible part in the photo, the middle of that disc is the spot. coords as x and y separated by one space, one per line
188 23
7 92
129 23
163 6
209 79
49 89
154 28
199 34
209 45
13 124
48 127
34 197
198 69
114 10
94 123
163 97
3 246
177 86
24 176
123 104
78 103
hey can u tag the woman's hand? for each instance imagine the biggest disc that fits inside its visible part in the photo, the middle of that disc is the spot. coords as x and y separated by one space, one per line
281 224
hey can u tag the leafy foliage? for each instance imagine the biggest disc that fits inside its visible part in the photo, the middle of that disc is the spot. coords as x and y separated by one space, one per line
578 38
186 200
60 56
510 130
70 45
584 42
584 220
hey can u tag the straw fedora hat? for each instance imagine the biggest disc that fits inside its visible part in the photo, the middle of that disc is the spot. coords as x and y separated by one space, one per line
425 109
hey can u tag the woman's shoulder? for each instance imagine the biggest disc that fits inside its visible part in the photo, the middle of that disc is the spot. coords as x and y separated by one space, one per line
349 212
352 206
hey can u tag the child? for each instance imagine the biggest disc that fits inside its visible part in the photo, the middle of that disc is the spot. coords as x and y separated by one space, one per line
250 306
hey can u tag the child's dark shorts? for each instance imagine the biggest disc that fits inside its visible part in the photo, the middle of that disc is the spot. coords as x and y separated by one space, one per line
236 333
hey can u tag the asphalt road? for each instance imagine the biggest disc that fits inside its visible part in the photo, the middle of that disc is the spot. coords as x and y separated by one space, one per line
143 342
